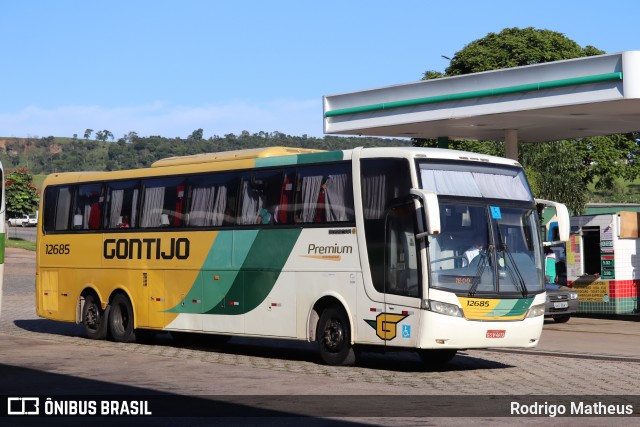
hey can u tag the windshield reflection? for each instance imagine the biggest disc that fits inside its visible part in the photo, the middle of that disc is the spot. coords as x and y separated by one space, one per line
486 250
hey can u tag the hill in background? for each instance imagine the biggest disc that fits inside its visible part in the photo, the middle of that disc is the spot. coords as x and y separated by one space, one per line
55 154
42 156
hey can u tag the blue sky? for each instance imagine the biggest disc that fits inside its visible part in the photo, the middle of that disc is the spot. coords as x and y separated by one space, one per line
166 68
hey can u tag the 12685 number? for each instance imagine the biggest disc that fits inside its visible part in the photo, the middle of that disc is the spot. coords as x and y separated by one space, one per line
59 249
477 303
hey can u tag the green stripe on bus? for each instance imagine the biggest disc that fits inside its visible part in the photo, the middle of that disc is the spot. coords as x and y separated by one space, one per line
276 161
327 156
2 243
260 271
299 159
220 261
508 308
239 272
520 307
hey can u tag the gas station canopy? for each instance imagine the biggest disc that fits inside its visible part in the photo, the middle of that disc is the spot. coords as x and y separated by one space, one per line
576 98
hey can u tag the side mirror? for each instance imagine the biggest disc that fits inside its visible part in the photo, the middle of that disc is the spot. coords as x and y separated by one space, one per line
431 209
562 215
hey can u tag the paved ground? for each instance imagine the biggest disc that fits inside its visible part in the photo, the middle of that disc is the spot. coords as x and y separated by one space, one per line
24 233
46 357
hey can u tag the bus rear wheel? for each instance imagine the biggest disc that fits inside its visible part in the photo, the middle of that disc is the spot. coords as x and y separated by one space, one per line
334 337
121 320
94 318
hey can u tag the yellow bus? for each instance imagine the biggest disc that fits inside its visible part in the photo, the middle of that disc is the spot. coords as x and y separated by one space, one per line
353 249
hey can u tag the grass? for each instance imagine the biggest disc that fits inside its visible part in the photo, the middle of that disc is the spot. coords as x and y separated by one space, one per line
20 244
622 192
38 180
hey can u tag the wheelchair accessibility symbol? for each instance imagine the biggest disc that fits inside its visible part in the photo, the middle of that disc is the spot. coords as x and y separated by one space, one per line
386 325
406 331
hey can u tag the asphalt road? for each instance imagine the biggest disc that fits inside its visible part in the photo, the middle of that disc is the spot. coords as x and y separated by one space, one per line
24 233
588 359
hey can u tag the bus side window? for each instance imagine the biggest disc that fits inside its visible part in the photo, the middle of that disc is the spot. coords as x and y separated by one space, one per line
211 200
259 196
163 202
283 211
339 197
57 208
87 214
307 195
122 206
324 194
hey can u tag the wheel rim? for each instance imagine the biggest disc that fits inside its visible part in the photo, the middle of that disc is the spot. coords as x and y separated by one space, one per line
92 317
334 335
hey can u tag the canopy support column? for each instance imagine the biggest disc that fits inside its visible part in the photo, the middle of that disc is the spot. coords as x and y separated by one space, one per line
511 144
443 142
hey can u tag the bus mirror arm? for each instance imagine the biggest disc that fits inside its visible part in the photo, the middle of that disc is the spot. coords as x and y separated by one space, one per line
421 236
431 211
563 218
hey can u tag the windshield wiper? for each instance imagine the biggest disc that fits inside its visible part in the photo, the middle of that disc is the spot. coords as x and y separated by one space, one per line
514 272
482 264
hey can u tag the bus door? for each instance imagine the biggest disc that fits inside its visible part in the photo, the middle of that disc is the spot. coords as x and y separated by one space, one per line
402 277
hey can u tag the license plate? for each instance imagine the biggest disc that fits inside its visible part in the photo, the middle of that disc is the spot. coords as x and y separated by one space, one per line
496 333
562 304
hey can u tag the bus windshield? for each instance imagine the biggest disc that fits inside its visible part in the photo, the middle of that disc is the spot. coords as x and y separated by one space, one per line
477 181
486 250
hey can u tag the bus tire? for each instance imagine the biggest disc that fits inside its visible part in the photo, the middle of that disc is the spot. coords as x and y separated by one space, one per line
437 357
94 318
334 337
121 319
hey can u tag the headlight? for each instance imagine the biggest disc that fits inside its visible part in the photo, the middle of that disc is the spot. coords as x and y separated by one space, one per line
536 310
442 308
573 295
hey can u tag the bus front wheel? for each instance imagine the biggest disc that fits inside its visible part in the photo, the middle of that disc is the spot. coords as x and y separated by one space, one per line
334 337
121 319
94 318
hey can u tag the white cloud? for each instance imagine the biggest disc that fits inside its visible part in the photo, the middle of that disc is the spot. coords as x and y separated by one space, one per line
293 117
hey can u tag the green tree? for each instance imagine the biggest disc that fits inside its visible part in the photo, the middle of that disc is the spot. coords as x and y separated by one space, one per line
102 135
555 172
87 133
514 47
608 158
21 195
129 137
599 160
196 135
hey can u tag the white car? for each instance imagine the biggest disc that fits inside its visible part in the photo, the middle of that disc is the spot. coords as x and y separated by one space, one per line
25 221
